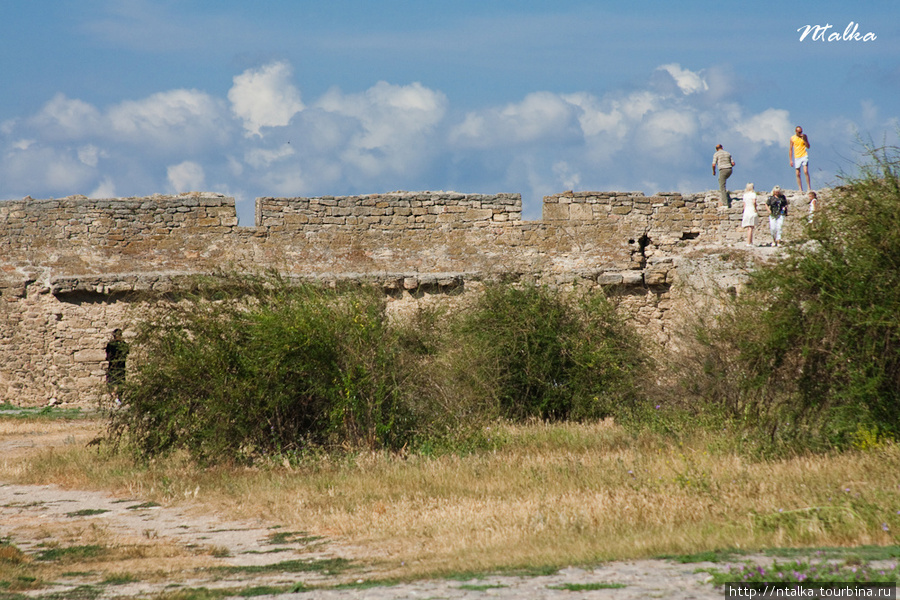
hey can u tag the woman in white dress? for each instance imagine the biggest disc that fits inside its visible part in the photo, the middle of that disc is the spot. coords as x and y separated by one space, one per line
751 217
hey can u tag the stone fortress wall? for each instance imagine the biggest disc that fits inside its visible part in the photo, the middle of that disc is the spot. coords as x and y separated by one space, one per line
74 269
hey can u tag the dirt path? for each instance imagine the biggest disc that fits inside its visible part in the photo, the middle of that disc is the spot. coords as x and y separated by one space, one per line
122 546
163 548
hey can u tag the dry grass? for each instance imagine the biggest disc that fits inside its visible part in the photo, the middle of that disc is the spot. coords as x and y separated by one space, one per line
92 549
548 495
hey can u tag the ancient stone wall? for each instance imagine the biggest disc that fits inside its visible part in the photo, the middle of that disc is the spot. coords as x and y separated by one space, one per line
397 209
73 269
667 217
117 223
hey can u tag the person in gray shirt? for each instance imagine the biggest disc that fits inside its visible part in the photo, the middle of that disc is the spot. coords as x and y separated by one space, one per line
724 163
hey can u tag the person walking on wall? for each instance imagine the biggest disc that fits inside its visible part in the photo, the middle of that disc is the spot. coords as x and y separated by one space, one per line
724 163
798 153
778 209
750 219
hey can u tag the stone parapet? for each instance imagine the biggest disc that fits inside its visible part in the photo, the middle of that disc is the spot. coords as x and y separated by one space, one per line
113 223
415 210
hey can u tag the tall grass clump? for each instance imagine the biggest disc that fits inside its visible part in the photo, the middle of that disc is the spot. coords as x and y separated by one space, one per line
257 365
812 347
552 356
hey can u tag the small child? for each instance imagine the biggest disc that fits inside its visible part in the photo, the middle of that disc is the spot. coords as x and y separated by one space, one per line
812 205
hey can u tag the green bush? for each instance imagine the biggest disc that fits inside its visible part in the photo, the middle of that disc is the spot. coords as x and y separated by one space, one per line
812 347
544 355
245 366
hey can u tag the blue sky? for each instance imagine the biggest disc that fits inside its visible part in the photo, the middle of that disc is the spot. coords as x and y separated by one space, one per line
301 98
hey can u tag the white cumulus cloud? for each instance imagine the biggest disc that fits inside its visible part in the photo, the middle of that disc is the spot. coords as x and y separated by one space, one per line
89 155
539 116
669 128
594 119
771 126
688 81
566 175
263 157
23 144
389 125
105 189
385 111
65 118
176 117
187 176
265 97
43 170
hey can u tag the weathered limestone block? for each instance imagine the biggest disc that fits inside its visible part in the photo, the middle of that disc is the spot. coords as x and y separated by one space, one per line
296 220
609 279
580 211
90 356
556 212
478 214
632 278
655 276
